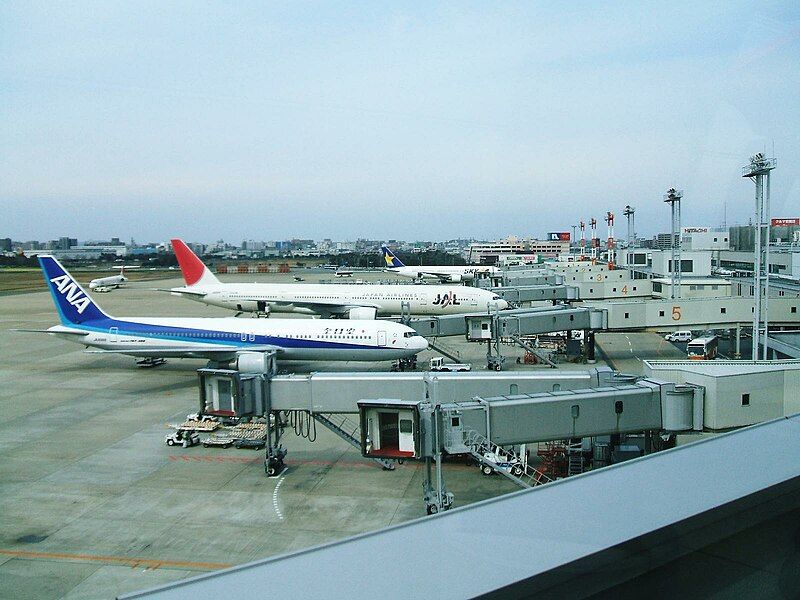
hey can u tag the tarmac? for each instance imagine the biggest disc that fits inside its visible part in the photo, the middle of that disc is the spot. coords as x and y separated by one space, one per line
94 504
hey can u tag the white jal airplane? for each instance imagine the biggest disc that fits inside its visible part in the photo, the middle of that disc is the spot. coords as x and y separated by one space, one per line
356 301
220 339
110 282
452 274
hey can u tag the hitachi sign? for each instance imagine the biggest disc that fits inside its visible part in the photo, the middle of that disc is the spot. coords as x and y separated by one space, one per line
686 230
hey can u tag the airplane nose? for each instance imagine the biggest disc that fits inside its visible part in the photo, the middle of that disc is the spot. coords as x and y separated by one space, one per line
503 304
419 343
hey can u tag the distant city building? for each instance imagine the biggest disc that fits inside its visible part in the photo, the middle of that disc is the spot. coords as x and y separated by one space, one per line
662 241
489 252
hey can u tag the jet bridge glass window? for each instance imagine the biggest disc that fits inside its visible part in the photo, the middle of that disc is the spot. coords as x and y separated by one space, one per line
745 399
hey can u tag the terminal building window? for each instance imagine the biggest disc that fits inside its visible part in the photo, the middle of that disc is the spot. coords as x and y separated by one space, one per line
745 399
687 265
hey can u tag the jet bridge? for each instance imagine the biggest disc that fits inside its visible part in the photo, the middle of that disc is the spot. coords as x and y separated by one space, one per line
538 293
254 390
486 427
522 277
521 321
498 326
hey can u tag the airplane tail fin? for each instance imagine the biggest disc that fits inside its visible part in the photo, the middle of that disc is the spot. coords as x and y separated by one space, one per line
74 305
390 259
193 269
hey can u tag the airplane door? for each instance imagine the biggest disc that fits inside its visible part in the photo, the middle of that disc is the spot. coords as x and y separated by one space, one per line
406 438
113 330
381 338
473 301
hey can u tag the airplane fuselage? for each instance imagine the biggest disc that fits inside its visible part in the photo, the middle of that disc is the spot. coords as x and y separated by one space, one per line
110 282
463 273
386 299
293 339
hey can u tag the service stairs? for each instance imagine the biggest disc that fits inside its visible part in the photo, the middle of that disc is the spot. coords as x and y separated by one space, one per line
343 427
454 356
533 350
503 461
576 463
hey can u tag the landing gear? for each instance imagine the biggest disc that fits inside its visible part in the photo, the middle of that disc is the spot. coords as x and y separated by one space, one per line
149 363
494 362
405 364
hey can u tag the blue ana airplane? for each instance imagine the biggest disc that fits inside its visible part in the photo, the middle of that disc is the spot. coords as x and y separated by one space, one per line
452 274
220 339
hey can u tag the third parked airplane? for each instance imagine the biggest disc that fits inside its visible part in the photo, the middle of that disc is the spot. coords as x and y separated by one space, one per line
445 274
354 301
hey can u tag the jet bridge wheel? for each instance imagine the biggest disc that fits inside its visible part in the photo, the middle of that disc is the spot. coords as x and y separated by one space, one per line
431 509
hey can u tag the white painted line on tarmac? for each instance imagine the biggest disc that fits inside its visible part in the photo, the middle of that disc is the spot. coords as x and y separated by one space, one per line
275 495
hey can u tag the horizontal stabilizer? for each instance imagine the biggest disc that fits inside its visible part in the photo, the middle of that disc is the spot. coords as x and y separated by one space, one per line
64 330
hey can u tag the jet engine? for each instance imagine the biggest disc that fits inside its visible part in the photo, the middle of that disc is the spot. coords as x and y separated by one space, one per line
247 305
255 362
455 278
362 312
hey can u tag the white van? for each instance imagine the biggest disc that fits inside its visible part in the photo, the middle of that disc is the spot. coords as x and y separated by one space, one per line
679 336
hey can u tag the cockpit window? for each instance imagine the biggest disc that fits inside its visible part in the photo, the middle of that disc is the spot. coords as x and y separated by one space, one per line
409 334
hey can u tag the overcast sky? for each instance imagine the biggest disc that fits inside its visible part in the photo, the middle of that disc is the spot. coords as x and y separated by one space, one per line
388 120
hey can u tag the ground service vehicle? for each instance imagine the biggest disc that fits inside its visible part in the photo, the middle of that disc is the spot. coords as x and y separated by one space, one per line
679 336
704 348
437 364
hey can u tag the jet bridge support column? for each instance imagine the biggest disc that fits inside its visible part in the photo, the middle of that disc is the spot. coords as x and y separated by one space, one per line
737 354
588 336
275 452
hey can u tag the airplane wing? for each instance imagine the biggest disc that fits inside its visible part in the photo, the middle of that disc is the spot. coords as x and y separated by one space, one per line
324 307
443 277
329 304
209 352
182 291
